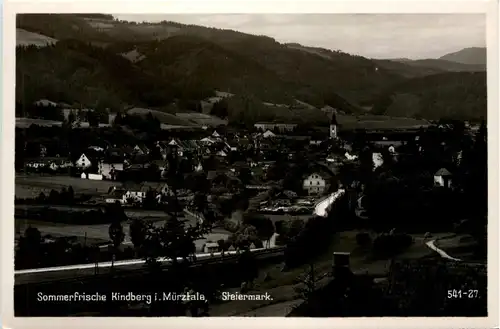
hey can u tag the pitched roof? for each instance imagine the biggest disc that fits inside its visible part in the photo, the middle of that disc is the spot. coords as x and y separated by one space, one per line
442 172
333 121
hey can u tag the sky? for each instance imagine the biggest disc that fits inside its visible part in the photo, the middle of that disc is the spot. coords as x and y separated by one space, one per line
413 36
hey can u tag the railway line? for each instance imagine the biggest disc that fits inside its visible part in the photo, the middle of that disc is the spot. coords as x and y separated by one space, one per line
80 272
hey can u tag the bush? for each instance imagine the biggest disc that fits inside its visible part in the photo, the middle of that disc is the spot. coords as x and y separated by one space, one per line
388 245
362 239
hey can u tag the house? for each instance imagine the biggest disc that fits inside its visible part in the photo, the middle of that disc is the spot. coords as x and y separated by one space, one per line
457 158
442 178
141 149
210 247
378 159
183 147
109 168
232 145
137 193
58 163
43 150
83 162
53 163
282 127
350 157
268 134
221 153
116 195
163 148
161 164
389 144
34 164
216 134
315 142
198 167
207 140
85 175
96 148
314 184
45 103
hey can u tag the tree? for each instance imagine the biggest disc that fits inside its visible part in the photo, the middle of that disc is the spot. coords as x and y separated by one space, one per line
30 247
115 213
71 117
248 267
200 202
362 239
118 119
93 119
117 236
308 283
220 109
137 233
291 228
149 201
173 240
71 194
245 236
54 196
263 225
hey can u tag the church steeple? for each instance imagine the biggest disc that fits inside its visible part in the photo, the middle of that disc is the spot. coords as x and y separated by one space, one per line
333 126
334 119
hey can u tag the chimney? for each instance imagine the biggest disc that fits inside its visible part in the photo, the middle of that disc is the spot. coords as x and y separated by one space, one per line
341 265
341 259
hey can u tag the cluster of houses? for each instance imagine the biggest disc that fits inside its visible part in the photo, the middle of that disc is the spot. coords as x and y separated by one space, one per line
253 149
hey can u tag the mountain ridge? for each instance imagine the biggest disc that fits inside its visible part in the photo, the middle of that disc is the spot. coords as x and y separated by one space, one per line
192 61
470 56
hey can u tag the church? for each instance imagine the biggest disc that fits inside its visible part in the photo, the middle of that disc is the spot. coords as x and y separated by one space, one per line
334 126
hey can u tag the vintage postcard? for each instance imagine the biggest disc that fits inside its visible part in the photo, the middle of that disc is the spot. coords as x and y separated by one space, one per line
326 165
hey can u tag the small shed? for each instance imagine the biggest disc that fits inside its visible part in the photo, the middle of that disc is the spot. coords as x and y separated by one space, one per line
442 178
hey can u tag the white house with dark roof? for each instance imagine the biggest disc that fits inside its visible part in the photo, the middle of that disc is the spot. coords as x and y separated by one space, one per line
442 178
141 149
268 134
83 162
315 183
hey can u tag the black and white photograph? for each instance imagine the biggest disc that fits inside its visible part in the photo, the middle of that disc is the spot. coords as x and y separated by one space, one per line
251 165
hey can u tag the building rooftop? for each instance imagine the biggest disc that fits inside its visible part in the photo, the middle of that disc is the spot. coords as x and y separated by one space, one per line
442 172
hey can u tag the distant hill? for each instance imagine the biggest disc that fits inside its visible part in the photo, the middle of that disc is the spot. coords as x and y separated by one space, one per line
407 68
103 62
440 65
460 95
470 56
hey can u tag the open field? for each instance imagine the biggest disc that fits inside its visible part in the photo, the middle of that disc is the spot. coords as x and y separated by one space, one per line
201 119
131 213
27 122
26 38
31 186
165 118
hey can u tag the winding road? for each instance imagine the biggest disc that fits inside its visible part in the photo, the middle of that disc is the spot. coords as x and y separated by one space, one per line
320 209
432 244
